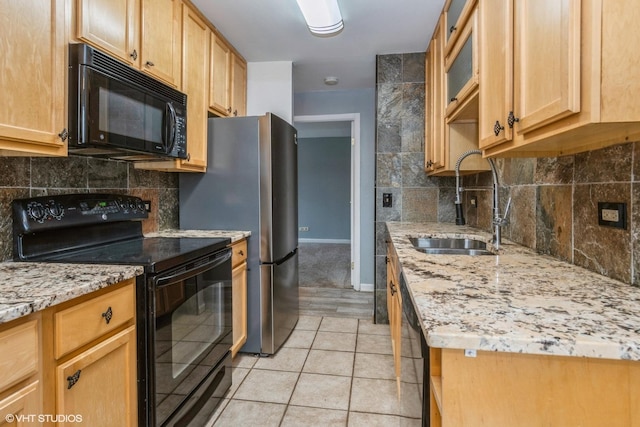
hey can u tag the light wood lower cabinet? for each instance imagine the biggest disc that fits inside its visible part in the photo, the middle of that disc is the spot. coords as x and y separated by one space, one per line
20 373
394 306
239 295
509 389
99 384
91 379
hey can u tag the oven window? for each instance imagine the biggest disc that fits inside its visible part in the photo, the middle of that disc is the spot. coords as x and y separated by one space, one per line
196 324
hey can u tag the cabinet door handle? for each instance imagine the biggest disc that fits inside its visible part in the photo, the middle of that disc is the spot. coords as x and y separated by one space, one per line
512 119
149 64
64 134
453 99
429 163
108 315
235 112
229 110
134 55
241 253
497 128
393 289
452 29
73 379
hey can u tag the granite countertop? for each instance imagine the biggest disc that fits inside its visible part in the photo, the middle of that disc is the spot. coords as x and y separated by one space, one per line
517 301
234 235
28 287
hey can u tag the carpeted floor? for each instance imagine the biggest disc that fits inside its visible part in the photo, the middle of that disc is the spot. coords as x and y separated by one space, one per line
325 265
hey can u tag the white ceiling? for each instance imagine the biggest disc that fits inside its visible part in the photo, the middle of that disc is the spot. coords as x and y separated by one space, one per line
274 30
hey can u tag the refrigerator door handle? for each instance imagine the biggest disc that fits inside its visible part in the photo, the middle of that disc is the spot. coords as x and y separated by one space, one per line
286 257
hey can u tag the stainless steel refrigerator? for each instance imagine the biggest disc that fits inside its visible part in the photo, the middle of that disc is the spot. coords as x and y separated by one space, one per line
251 183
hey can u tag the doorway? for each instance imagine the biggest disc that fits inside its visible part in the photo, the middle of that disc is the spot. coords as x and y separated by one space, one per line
326 126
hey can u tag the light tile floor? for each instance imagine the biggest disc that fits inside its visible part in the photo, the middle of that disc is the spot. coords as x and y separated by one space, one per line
332 371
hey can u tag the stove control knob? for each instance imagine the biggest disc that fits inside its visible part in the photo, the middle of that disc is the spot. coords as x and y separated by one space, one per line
37 212
56 210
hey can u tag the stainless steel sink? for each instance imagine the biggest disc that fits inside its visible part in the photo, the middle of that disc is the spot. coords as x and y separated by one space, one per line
452 246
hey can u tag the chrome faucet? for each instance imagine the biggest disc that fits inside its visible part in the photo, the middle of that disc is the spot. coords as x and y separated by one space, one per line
498 221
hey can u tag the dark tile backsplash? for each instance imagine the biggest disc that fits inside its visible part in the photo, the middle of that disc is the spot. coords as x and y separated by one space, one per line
554 207
39 176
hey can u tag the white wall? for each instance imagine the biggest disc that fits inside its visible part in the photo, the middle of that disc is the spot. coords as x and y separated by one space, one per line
270 89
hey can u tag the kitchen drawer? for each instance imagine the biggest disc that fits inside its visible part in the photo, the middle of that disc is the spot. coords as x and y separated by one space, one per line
89 320
18 353
239 252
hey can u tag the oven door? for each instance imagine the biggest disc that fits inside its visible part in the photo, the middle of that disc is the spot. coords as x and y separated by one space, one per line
191 335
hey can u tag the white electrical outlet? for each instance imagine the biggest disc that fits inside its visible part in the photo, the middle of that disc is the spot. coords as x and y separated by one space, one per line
303 228
610 215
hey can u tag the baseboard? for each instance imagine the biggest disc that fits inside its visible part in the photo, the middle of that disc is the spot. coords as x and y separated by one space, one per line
366 287
347 241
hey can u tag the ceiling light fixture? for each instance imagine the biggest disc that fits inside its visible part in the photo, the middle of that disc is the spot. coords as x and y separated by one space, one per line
331 81
323 16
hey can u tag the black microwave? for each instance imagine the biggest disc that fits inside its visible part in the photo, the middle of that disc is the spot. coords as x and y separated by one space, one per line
116 111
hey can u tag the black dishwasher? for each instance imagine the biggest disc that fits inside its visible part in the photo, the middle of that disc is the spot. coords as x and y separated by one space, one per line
418 347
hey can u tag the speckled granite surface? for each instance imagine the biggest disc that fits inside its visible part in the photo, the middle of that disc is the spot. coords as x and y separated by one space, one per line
517 301
29 287
231 234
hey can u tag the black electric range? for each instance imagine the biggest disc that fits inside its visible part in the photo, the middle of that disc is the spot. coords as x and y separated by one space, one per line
186 286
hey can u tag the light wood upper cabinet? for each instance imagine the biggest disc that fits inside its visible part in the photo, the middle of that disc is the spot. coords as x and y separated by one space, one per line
455 14
33 118
566 83
220 82
161 39
143 33
447 138
110 25
195 83
238 86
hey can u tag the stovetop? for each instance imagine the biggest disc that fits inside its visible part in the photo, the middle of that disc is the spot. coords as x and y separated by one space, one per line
155 254
98 229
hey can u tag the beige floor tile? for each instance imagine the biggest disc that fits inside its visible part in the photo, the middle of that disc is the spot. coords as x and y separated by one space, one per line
300 338
308 323
286 359
329 362
377 344
322 391
339 324
369 328
267 386
357 419
300 416
244 360
243 413
381 397
334 341
376 396
379 366
237 376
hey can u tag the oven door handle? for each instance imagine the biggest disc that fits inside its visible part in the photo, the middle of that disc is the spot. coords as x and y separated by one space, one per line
161 280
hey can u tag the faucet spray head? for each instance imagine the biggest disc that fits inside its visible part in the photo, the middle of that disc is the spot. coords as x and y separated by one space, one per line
459 214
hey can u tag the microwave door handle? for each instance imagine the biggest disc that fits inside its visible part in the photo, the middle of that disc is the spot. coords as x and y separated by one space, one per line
171 127
161 280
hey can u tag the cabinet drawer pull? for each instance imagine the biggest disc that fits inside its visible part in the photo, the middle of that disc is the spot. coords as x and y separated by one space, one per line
73 379
108 315
497 128
512 119
149 64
